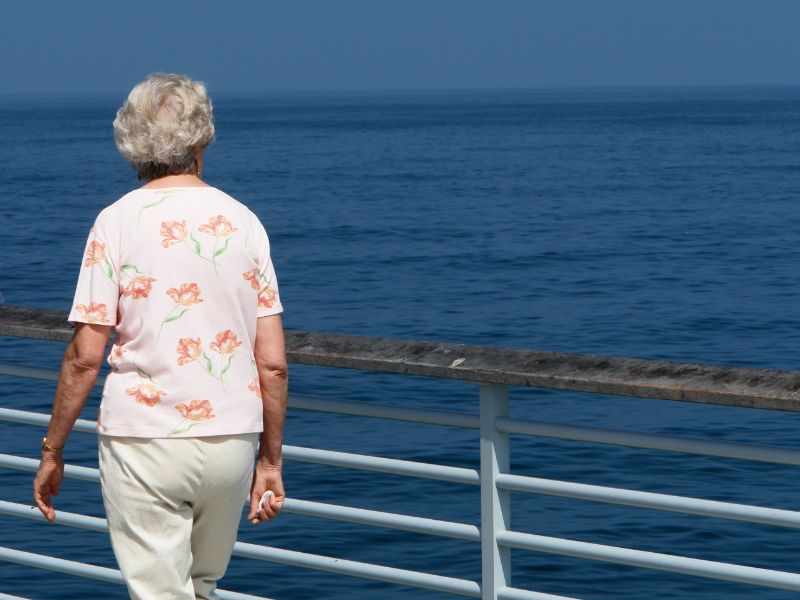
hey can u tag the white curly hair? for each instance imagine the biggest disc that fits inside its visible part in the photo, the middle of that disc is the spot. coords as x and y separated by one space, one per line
165 119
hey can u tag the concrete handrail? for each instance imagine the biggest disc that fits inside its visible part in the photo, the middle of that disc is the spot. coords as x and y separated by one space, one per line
660 379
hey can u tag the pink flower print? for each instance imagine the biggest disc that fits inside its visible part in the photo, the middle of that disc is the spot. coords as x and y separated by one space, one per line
173 232
226 342
254 384
188 350
193 413
267 297
195 410
139 287
115 356
95 253
191 350
219 226
95 312
186 295
252 277
116 352
146 393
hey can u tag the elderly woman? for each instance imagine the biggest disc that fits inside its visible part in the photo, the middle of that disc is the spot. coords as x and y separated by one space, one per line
198 383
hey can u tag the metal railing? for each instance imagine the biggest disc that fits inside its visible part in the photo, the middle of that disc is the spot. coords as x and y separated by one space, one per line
493 370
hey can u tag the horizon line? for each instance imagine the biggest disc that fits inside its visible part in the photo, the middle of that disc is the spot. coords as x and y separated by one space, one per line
420 91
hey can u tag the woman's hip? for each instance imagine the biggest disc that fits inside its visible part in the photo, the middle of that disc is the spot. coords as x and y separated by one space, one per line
178 469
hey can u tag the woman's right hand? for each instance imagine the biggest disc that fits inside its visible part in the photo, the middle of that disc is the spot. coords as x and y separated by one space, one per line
266 477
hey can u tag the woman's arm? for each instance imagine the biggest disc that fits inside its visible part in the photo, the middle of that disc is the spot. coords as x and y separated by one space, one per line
273 375
79 369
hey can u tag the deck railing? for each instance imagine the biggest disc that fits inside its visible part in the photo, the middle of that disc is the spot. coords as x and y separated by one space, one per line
493 370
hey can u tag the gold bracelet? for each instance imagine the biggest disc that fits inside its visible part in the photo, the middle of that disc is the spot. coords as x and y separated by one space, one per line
46 446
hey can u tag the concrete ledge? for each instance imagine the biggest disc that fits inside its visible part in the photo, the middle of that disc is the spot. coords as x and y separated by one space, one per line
713 384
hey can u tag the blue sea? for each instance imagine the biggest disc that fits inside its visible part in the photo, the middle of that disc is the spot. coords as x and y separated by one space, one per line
651 223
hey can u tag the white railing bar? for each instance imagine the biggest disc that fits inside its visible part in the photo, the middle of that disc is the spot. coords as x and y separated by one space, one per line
291 505
652 441
388 574
22 463
462 587
300 453
245 550
36 373
393 466
383 465
71 567
441 583
10 597
510 593
363 409
52 563
364 516
598 435
33 418
322 510
654 501
230 595
449 418
652 560
63 517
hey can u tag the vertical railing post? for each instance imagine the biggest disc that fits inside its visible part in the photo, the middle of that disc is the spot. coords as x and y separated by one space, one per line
495 503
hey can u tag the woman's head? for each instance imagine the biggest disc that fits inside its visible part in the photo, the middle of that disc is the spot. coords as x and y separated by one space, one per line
163 125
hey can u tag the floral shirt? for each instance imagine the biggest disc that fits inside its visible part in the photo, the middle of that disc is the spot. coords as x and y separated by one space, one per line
183 274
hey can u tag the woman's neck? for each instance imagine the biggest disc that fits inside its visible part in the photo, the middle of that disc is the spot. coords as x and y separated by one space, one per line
184 180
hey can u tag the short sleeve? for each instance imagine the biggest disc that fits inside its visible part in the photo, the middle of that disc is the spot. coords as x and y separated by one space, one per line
269 300
97 290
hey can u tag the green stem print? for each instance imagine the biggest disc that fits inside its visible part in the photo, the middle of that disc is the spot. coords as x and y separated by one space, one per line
254 385
150 205
197 249
180 429
214 254
263 278
169 319
127 267
186 295
209 368
142 373
109 270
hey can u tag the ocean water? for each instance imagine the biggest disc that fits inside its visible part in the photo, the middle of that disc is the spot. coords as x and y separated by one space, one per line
656 223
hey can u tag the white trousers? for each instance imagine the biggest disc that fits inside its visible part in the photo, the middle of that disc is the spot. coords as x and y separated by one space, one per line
173 507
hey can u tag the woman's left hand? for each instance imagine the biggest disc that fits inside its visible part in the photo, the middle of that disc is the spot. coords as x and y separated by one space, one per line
47 483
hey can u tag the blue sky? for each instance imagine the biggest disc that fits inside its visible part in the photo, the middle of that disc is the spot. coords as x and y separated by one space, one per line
102 46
